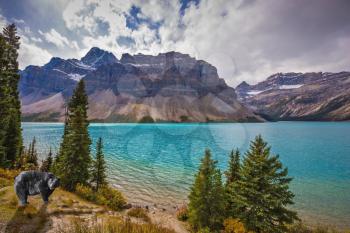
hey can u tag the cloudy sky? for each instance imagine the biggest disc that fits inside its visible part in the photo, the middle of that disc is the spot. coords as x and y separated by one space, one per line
245 39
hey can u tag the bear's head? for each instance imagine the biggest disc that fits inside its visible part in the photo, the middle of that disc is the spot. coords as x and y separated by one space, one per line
53 182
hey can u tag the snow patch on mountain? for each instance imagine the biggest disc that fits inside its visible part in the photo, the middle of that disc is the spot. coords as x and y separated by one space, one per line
254 92
290 86
139 65
59 71
75 77
81 65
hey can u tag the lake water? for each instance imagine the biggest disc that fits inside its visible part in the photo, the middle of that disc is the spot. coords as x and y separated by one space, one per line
155 163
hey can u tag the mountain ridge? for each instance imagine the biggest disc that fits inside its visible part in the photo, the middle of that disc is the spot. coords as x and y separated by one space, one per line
167 87
313 96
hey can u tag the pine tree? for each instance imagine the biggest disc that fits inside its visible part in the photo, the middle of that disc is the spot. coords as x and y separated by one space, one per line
232 180
10 35
4 100
207 198
55 166
232 174
32 155
264 192
21 159
99 168
11 143
28 158
46 164
74 159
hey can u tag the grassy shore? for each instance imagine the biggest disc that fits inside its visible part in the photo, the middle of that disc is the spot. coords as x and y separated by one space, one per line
68 212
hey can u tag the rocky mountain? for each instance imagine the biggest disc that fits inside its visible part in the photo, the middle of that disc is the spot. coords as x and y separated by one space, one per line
299 96
167 87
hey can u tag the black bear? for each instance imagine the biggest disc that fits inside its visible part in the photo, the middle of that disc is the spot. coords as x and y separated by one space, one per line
35 182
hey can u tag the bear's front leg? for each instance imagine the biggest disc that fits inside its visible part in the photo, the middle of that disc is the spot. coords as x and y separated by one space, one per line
22 196
45 197
23 200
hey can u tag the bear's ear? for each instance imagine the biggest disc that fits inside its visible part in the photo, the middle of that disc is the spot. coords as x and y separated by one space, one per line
46 177
53 183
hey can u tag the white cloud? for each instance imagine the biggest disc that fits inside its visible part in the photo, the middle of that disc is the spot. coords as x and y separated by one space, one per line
86 15
36 39
252 41
30 54
3 22
245 40
18 21
214 31
75 17
57 39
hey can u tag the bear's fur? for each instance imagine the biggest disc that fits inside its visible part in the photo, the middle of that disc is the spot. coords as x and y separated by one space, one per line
29 183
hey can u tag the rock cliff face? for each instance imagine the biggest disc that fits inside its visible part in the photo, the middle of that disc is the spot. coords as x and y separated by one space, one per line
168 87
300 96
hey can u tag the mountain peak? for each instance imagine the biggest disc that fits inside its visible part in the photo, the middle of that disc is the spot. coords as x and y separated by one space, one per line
243 84
94 51
97 56
54 61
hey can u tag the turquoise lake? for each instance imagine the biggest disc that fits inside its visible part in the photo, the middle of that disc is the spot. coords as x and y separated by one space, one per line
155 163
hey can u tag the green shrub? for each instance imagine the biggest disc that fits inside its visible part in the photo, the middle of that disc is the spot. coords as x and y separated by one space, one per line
110 197
139 213
184 118
146 119
85 192
182 213
106 196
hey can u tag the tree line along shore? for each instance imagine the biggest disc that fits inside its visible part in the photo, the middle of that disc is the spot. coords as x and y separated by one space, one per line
253 197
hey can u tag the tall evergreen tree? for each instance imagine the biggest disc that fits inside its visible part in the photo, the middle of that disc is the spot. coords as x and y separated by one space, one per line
32 155
11 37
55 166
11 114
207 198
264 191
232 174
21 159
4 100
46 164
99 167
74 159
232 183
28 158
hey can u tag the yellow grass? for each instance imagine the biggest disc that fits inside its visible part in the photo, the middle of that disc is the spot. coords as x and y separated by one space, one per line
139 213
112 225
